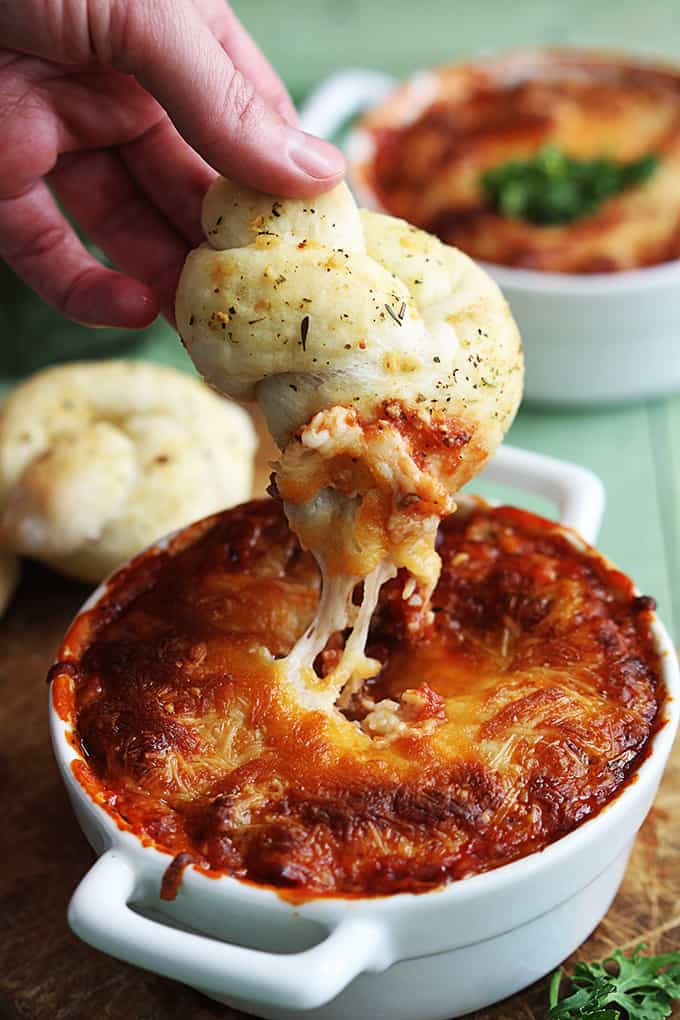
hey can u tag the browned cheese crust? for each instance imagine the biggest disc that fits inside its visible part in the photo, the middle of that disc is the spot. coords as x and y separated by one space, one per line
527 706
427 161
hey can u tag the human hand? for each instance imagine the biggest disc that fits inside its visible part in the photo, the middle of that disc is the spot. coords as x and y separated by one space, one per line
125 109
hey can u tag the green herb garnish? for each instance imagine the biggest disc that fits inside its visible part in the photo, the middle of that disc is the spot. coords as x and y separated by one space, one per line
637 987
552 188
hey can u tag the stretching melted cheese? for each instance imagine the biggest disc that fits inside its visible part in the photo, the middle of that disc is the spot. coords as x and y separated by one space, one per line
388 368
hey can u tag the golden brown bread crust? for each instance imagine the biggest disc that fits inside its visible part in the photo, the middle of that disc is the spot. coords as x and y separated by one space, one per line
530 703
437 134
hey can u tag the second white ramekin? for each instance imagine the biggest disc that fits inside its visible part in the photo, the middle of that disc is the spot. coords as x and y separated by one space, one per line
588 339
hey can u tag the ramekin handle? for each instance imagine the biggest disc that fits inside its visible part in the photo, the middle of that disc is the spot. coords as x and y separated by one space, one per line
99 913
341 96
578 493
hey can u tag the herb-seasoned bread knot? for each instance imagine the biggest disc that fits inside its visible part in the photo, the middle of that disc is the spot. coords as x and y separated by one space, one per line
388 367
98 459
308 304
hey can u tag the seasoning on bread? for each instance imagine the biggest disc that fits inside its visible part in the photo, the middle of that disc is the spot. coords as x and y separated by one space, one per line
388 367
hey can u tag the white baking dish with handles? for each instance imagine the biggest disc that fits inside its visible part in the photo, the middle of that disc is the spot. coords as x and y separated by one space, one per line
588 339
435 955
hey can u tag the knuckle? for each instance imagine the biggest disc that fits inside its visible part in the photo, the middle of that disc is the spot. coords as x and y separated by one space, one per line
126 32
28 149
240 101
68 300
116 29
36 245
102 23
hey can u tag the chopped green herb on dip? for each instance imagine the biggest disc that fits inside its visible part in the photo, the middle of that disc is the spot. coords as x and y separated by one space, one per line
552 188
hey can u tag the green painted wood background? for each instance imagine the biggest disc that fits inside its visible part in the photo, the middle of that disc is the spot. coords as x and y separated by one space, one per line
634 449
305 39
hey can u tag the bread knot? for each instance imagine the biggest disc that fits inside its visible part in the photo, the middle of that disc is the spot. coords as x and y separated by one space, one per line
388 368
307 304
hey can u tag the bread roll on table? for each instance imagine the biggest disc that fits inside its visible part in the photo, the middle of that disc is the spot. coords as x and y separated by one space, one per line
99 459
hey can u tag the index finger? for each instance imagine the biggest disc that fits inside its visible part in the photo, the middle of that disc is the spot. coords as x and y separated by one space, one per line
173 53
246 55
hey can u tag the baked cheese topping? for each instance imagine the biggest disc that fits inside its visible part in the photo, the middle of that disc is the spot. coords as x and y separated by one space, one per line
424 151
388 368
522 709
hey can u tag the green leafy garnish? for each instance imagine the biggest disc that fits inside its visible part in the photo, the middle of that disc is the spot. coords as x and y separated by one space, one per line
552 188
638 987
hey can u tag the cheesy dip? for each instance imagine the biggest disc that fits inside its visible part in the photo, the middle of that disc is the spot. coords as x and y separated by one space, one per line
523 709
426 152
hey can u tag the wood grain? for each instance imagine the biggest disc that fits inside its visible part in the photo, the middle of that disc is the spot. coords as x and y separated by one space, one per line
47 974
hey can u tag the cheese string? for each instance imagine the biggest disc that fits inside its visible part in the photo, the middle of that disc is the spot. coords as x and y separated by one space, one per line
388 368
336 612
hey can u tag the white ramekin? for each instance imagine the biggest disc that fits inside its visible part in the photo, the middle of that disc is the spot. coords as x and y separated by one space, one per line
588 339
435 955
596 339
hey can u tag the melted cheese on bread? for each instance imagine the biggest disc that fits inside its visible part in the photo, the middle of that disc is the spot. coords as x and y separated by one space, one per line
388 367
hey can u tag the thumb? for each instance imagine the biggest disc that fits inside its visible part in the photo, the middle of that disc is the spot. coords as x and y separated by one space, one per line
173 53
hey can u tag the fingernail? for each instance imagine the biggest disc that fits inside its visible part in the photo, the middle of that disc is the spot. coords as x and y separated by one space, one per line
315 157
